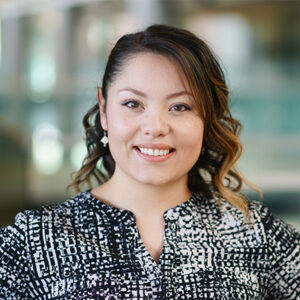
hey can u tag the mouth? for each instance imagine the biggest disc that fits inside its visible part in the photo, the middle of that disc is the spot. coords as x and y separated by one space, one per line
154 152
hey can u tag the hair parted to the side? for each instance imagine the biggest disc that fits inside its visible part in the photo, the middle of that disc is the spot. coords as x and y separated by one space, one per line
215 173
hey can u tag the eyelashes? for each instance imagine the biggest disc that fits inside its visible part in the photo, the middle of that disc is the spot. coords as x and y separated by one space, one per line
186 107
133 104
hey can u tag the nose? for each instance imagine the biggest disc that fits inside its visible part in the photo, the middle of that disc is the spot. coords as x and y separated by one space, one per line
155 123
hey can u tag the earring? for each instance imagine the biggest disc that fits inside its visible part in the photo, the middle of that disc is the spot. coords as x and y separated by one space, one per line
104 139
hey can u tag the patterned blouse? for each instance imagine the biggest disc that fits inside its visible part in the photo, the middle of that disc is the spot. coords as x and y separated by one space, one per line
86 249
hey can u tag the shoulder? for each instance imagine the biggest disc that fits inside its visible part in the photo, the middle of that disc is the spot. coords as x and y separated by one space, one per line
29 221
43 232
73 206
278 233
261 218
264 230
263 226
267 244
282 238
35 228
283 243
272 224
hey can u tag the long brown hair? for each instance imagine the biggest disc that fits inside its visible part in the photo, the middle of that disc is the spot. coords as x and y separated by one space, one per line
214 174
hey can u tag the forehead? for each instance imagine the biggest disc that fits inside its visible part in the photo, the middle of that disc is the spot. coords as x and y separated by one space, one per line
151 70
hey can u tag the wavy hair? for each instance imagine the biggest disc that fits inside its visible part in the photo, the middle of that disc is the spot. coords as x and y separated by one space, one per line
214 174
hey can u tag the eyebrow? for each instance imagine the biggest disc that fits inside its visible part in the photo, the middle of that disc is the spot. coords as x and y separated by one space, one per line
137 92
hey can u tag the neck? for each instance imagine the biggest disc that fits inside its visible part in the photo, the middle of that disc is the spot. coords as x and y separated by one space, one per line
140 198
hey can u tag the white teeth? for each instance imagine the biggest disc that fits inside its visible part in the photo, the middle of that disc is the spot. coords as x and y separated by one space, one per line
154 152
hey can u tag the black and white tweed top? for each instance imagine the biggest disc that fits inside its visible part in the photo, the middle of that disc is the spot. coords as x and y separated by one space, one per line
86 249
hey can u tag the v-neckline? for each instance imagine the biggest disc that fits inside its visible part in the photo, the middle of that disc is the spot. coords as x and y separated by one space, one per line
144 254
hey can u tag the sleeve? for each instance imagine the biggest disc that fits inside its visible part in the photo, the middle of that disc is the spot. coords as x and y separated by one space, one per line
284 242
13 259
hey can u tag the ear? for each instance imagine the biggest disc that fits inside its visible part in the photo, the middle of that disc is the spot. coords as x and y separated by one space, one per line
101 103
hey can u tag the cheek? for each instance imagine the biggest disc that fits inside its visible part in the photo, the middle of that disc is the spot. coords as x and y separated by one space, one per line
120 128
192 144
191 134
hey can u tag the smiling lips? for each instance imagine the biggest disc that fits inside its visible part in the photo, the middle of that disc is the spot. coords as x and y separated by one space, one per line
154 152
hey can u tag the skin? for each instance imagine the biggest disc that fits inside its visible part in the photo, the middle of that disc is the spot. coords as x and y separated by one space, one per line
145 188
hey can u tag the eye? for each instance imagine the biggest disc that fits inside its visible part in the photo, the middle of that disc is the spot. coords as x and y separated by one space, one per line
132 104
181 107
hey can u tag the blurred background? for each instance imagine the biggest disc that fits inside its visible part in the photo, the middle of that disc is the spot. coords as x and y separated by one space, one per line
52 58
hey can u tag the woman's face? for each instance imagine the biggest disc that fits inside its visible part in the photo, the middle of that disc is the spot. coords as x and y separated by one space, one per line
149 107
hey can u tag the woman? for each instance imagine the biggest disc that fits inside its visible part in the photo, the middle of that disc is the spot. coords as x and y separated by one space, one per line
166 220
